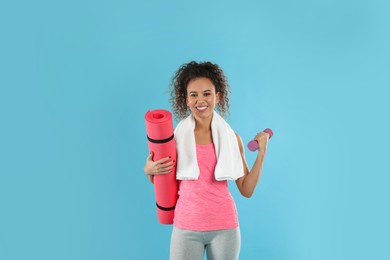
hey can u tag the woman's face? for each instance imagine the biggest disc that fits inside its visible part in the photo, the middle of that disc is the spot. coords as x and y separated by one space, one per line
201 97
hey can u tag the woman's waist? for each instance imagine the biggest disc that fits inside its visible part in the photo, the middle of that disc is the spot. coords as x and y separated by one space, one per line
210 193
205 213
206 200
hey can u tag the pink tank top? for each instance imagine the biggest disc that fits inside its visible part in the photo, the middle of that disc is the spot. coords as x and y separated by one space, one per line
205 204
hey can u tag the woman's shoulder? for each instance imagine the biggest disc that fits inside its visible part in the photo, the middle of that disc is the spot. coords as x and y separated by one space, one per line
185 123
239 141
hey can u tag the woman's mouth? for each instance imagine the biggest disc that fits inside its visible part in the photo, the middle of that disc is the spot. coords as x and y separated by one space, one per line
201 108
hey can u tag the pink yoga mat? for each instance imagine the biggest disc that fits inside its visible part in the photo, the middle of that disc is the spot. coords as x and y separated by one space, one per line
159 129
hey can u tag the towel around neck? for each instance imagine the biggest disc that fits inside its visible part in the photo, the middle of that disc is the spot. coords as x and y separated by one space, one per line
229 162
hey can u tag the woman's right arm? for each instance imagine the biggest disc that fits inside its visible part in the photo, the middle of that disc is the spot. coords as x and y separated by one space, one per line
162 166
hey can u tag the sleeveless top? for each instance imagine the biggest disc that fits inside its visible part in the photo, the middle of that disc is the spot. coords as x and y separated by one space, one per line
205 204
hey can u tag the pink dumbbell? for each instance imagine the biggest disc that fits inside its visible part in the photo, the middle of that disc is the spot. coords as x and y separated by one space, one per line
253 145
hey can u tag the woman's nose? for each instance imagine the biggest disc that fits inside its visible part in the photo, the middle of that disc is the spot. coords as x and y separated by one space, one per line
200 99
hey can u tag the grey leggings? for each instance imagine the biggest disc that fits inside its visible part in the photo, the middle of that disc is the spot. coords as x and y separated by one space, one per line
191 245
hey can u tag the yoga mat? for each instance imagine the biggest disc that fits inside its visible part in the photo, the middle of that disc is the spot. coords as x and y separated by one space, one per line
159 130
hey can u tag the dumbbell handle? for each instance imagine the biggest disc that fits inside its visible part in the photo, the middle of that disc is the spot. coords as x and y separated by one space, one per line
253 145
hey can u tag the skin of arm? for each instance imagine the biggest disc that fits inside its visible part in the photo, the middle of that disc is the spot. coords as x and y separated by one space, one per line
247 183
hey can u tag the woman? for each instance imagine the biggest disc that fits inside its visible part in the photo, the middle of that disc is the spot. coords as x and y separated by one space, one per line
209 153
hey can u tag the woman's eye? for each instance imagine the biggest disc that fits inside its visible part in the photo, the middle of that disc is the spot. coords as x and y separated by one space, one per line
207 94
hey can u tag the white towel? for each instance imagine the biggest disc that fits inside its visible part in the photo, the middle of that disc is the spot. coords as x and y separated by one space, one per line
229 162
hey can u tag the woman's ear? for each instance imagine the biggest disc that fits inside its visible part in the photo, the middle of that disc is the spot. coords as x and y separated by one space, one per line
217 97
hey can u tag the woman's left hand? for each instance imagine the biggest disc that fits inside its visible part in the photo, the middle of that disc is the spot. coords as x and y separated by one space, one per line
262 139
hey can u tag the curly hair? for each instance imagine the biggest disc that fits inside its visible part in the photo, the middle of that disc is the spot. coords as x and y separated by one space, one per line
193 70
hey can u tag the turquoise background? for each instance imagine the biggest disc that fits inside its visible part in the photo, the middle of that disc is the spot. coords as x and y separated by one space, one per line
77 77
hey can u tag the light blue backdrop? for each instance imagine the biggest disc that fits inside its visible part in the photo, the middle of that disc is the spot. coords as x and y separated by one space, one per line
78 76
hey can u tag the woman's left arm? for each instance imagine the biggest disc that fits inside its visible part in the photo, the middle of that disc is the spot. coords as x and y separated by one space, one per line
247 183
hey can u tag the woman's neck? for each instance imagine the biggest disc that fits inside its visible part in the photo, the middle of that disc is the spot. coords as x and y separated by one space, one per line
202 131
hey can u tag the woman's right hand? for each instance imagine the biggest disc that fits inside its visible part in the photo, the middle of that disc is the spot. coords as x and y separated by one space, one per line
161 166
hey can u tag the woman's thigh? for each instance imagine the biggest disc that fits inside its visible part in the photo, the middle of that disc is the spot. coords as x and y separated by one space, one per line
186 245
224 244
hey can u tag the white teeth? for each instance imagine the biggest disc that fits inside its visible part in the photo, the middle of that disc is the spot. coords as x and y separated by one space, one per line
201 108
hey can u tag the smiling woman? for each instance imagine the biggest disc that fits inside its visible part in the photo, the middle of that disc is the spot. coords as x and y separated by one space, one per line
209 154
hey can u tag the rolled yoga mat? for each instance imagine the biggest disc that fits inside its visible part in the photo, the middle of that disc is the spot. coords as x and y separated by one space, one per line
159 130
